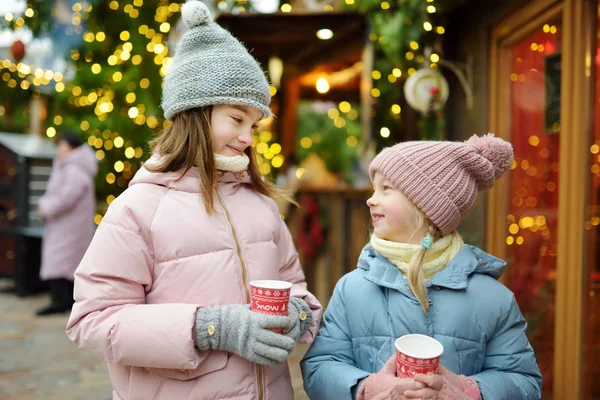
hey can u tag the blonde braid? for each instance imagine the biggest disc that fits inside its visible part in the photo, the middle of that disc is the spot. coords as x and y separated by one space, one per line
416 281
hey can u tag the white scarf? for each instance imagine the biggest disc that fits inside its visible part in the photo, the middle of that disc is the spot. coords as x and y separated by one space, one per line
231 164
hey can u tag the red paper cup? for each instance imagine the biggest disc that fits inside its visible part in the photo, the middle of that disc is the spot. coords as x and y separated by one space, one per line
417 354
270 297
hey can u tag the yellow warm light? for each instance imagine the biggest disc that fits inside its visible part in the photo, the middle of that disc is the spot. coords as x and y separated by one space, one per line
100 155
414 45
345 107
431 9
322 85
333 113
286 8
119 166
440 30
98 217
96 68
262 147
165 27
376 75
306 142
118 142
117 76
130 152
339 122
133 112
159 48
51 132
110 178
375 92
427 26
324 34
434 58
277 161
396 109
385 132
59 87
100 36
385 5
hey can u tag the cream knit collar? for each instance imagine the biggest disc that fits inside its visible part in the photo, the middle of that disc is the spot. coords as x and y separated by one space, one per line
436 258
231 164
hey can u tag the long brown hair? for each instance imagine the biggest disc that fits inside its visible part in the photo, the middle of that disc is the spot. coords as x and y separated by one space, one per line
187 143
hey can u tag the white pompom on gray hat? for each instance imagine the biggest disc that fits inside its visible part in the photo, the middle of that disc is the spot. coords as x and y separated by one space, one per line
212 67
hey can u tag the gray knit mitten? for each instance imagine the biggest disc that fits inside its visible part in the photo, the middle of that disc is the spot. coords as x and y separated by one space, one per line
301 318
236 329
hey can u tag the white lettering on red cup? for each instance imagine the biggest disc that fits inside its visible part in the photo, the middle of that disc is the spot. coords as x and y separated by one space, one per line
270 297
417 354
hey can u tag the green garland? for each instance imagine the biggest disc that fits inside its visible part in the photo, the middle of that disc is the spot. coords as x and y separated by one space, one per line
399 37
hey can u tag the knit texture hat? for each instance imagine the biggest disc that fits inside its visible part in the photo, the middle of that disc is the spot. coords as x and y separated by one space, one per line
442 178
212 67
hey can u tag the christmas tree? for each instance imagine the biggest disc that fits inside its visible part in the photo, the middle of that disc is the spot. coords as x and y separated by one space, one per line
115 95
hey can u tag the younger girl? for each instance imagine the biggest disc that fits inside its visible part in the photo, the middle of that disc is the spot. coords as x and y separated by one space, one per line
417 276
162 293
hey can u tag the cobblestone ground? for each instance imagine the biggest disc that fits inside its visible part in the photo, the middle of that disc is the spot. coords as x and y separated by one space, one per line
38 362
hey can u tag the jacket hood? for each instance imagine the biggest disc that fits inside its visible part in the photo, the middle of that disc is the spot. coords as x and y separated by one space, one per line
84 157
468 261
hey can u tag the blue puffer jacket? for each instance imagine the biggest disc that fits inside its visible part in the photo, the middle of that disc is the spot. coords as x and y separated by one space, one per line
473 315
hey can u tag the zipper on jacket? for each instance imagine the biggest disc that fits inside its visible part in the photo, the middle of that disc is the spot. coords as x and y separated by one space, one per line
259 368
238 248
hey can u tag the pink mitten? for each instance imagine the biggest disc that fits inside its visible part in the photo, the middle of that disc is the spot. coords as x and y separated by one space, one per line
384 383
445 385
467 385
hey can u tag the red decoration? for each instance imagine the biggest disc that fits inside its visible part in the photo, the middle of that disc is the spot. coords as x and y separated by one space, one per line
311 234
433 91
18 50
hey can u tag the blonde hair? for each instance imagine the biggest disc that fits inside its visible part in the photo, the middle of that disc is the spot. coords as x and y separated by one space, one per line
416 280
188 143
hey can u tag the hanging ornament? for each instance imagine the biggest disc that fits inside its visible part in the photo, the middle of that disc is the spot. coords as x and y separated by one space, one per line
18 50
424 86
431 125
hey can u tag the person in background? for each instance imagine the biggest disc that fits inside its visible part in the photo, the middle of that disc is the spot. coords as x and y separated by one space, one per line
67 207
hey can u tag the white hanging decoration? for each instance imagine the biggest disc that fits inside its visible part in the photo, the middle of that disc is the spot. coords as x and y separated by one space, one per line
422 85
265 6
275 70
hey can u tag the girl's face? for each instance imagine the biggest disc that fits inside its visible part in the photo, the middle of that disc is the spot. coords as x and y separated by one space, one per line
395 218
232 127
62 149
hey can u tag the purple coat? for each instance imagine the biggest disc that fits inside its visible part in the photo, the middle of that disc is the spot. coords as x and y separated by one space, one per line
68 207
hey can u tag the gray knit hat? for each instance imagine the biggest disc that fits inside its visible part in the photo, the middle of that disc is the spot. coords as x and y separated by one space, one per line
212 67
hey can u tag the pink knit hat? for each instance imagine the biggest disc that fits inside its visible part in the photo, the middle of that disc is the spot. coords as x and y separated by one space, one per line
442 178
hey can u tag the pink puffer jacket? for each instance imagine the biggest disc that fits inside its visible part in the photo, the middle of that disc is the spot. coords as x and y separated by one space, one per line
156 257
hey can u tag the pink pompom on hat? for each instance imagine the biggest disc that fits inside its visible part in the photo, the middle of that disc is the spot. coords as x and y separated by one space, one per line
442 178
